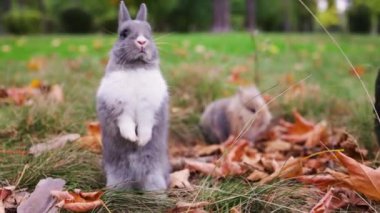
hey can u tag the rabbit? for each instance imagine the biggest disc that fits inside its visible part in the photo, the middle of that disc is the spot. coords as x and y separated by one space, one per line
132 107
244 113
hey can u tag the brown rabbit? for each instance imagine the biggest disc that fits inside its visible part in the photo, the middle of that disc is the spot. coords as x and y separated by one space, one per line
245 113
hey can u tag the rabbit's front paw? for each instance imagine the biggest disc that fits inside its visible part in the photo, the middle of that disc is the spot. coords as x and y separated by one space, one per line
145 135
128 132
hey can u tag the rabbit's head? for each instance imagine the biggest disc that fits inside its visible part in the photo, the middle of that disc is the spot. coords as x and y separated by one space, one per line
252 100
134 47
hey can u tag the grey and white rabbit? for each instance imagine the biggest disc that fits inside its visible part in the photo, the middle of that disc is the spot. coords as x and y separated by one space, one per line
246 110
132 107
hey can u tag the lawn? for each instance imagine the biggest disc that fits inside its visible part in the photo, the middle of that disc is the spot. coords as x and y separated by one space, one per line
198 69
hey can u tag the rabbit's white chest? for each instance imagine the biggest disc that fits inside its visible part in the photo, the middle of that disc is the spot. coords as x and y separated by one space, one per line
135 89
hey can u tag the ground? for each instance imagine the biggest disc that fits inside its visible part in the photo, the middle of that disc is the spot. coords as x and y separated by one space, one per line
199 68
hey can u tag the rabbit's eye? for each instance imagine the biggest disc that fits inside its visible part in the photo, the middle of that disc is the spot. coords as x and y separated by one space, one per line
252 110
124 34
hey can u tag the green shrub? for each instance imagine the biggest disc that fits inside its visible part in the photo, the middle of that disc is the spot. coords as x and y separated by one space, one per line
23 21
108 23
76 20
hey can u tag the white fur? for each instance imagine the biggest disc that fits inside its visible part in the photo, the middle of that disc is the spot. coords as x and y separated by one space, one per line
141 92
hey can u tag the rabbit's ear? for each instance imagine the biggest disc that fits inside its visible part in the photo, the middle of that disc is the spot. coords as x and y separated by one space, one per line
123 13
143 13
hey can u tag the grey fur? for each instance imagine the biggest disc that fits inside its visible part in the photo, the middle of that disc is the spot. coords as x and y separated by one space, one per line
123 13
143 13
128 165
229 116
125 54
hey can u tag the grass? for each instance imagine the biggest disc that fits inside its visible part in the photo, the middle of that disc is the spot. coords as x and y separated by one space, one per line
197 68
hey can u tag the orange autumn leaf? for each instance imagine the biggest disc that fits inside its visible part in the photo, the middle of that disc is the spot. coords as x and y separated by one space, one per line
337 198
257 175
180 179
208 150
359 177
321 181
300 126
357 70
36 64
78 201
291 168
189 207
236 72
303 131
205 168
93 140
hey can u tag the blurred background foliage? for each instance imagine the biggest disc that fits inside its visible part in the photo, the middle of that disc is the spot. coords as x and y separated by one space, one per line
88 16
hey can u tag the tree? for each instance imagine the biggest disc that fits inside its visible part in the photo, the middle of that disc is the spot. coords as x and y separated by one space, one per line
374 7
250 17
221 14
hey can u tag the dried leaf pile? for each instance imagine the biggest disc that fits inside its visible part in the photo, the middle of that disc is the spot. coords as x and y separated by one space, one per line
308 152
25 95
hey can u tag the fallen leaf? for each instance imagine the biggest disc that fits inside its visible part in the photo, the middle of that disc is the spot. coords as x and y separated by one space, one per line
337 198
208 150
205 168
93 140
54 143
180 179
189 207
321 181
357 70
36 64
257 175
56 94
360 177
291 168
235 209
277 145
78 201
303 131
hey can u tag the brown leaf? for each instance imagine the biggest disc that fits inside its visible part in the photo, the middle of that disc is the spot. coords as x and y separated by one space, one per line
357 70
360 177
252 158
54 143
321 181
235 209
303 131
337 198
291 168
208 150
93 140
56 94
189 207
78 201
277 145
180 179
36 64
205 168
257 175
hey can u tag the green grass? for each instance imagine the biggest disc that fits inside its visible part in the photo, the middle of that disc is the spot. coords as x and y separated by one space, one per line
197 68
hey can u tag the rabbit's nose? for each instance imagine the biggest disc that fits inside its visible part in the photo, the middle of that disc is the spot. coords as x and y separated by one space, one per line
141 41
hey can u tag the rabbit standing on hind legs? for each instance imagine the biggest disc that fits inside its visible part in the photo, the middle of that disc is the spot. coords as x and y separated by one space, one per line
132 107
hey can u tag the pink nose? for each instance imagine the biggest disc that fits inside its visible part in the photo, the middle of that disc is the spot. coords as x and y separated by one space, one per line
141 42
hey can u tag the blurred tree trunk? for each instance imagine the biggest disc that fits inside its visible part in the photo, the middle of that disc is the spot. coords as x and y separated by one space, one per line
250 17
5 5
221 15
21 3
377 107
374 23
287 16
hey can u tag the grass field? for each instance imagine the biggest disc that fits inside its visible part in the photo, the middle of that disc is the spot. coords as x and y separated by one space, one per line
197 68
